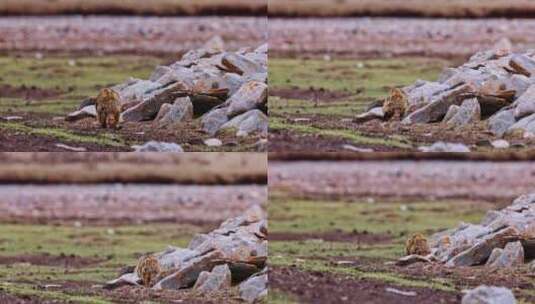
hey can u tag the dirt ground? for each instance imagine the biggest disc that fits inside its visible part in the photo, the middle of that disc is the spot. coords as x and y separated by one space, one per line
336 227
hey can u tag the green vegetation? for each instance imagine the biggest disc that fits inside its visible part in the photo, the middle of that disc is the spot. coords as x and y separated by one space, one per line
107 139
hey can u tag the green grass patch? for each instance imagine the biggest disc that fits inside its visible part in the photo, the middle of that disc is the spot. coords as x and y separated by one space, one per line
106 139
395 141
26 290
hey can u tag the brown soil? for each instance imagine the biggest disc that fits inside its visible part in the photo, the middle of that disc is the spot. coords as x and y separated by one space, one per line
334 236
322 287
17 142
312 94
28 93
66 261
288 141
10 299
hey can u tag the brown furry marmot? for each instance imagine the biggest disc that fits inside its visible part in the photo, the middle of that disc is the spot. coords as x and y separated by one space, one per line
148 269
108 107
396 105
417 244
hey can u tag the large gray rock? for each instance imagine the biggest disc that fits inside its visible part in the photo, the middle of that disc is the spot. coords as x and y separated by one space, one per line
251 95
239 64
452 111
86 112
212 121
525 104
149 108
154 146
489 295
181 110
253 121
137 90
468 112
526 124
216 280
480 252
500 122
255 289
512 255
438 107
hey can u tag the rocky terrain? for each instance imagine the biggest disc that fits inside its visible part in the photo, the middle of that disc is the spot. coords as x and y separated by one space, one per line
236 253
342 225
227 91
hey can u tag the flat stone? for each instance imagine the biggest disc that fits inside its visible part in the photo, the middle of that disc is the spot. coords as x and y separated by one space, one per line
375 113
500 144
125 279
213 142
526 124
412 259
445 147
87 112
489 295
137 90
240 64
154 146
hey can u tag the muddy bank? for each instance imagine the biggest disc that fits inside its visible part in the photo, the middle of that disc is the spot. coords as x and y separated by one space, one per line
389 37
117 204
431 180
138 35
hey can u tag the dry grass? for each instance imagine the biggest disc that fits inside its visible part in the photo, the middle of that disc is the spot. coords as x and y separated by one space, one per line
417 8
134 7
186 168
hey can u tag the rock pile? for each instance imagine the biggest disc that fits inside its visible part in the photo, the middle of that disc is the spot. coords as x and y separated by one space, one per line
504 238
227 91
235 254
496 85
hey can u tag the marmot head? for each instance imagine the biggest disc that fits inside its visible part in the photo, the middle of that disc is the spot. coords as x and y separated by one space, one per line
397 94
107 94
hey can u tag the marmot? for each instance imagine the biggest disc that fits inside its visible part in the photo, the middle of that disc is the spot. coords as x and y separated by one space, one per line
108 107
148 269
417 244
396 105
